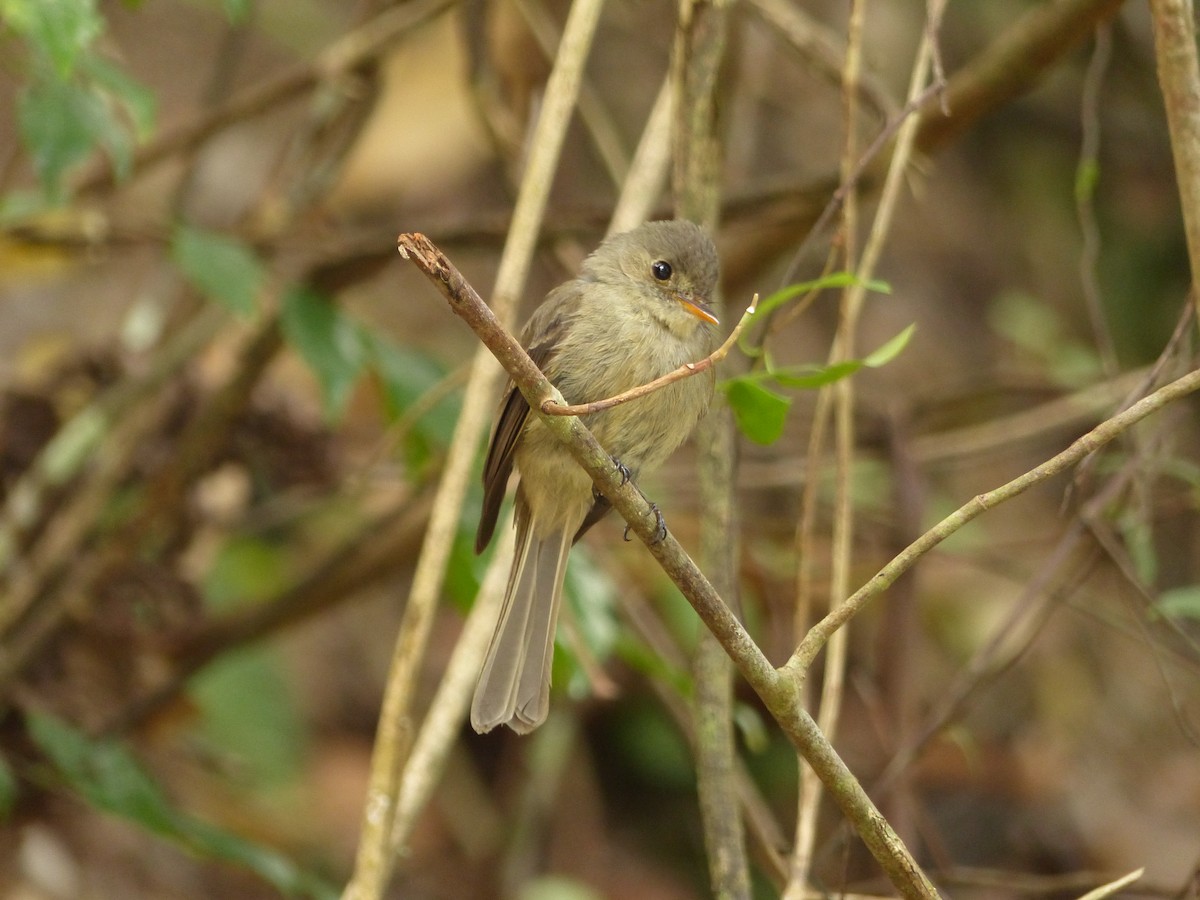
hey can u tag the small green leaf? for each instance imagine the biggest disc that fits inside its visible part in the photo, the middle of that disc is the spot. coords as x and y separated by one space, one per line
219 267
135 98
18 206
810 377
753 729
331 343
60 124
828 282
1087 176
592 597
1179 603
759 413
60 29
890 350
408 375
68 450
236 11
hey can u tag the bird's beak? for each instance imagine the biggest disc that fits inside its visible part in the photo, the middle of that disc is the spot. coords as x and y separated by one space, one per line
697 307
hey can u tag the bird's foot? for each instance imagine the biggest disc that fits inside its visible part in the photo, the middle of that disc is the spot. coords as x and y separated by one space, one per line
626 475
660 526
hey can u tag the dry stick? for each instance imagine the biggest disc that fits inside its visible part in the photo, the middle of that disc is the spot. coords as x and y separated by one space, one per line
842 405
1087 171
365 43
1179 78
1115 886
597 119
70 450
699 50
448 709
1088 443
779 690
374 861
648 170
820 47
369 556
1012 65
664 647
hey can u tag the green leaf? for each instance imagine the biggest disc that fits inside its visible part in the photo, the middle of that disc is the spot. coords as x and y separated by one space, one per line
246 570
810 377
8 789
1179 603
60 29
643 658
465 569
331 343
19 206
592 597
219 267
759 413
1087 176
104 773
249 715
236 11
750 725
890 350
109 778
60 124
135 98
407 375
828 282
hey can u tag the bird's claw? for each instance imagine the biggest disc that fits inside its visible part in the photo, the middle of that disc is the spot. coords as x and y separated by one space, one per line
660 525
626 475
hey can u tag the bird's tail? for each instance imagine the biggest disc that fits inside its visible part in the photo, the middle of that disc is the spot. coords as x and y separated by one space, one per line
514 684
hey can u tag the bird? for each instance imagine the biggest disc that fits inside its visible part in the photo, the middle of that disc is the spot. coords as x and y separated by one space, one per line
640 307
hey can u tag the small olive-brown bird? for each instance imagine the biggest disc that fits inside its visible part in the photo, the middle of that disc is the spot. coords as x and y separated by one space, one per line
638 309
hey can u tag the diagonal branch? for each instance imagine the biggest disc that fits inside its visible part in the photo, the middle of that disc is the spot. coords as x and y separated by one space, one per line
779 690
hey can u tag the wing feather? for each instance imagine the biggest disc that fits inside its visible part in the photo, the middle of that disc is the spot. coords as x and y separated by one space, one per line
509 423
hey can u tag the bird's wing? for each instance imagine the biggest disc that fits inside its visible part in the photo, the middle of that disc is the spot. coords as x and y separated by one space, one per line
513 413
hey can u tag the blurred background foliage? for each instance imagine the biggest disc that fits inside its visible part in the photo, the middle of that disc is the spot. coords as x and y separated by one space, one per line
225 402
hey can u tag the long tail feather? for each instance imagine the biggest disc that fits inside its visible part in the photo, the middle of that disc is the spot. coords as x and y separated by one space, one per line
514 684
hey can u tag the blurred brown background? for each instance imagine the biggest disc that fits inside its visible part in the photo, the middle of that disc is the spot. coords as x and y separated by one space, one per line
218 580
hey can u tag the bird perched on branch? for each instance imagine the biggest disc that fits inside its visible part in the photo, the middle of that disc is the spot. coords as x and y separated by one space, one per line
638 309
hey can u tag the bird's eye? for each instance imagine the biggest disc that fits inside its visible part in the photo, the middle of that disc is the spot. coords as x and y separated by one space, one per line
660 269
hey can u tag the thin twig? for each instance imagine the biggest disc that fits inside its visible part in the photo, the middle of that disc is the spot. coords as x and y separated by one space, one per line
353 49
1081 448
821 48
1113 887
1012 65
1086 177
648 169
850 181
448 708
841 402
687 370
